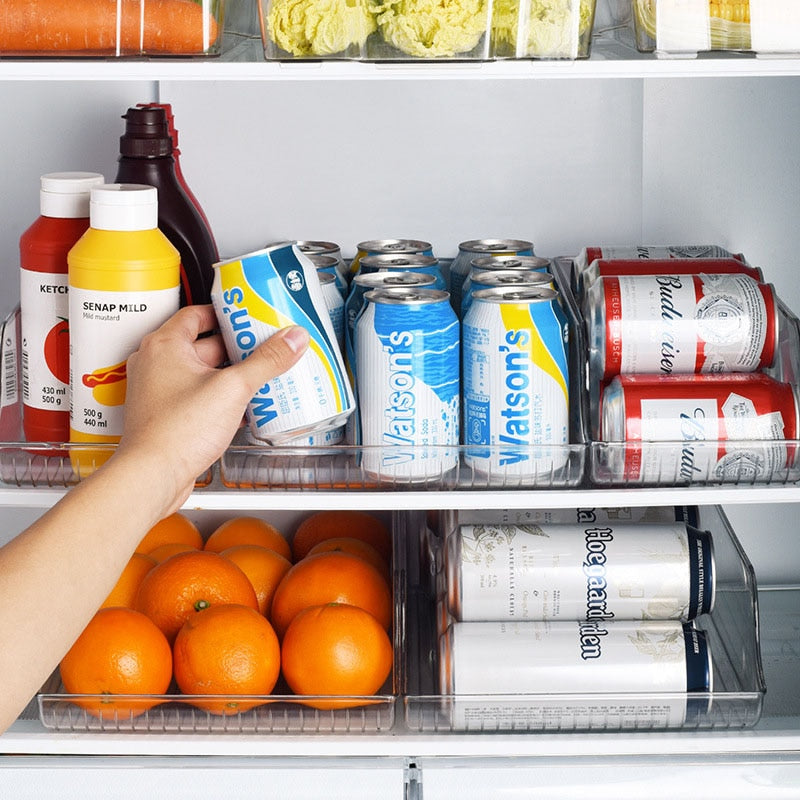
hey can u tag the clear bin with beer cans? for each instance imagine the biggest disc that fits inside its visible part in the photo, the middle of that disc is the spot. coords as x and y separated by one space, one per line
682 30
722 409
510 673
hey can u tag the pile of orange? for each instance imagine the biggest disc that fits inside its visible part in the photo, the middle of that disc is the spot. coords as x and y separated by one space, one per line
229 615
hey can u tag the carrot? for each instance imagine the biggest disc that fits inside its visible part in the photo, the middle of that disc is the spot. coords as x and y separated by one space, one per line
89 27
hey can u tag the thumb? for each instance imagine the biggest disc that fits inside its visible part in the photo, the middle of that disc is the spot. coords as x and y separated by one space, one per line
279 353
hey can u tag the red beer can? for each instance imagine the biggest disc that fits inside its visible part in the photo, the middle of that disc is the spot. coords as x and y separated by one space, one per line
604 267
680 324
644 252
717 427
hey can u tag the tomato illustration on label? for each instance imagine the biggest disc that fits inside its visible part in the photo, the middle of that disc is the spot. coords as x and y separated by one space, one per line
108 384
56 350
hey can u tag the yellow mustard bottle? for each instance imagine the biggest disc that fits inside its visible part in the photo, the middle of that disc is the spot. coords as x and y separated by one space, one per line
124 279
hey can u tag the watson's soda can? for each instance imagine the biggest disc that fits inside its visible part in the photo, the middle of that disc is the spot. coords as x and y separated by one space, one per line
327 250
451 520
502 278
516 383
330 266
475 248
256 295
602 268
699 428
680 324
414 263
574 572
407 373
567 675
648 252
334 303
397 247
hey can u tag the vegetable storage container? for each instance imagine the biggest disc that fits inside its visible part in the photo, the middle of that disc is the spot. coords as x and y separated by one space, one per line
106 29
676 29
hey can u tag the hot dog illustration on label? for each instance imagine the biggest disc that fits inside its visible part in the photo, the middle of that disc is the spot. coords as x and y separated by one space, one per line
108 384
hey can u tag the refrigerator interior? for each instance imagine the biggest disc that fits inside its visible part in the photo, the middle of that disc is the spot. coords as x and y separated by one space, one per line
565 157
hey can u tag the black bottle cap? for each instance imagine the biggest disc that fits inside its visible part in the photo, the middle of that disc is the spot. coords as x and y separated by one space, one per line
146 133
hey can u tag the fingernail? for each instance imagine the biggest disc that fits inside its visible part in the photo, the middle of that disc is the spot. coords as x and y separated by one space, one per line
296 337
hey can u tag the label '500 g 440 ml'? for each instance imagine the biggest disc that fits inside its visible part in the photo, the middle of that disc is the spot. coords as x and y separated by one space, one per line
256 295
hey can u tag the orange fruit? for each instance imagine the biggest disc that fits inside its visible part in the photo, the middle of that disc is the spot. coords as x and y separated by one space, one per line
264 569
120 652
333 577
189 582
248 530
164 551
174 528
337 650
356 547
332 524
227 650
124 592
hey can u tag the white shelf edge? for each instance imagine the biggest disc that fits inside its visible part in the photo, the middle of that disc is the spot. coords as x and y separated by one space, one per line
248 499
610 60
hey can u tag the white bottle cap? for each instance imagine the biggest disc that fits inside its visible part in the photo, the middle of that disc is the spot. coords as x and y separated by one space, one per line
124 207
66 194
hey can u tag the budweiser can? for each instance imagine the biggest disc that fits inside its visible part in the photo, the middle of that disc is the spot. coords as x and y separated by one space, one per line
450 520
325 250
475 248
602 268
648 252
727 428
516 383
668 324
571 572
504 278
258 294
575 675
397 247
407 378
334 303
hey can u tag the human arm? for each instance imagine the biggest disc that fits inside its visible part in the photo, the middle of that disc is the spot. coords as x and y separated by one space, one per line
181 412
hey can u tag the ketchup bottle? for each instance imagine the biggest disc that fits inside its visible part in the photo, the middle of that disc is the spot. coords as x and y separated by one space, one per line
44 302
147 157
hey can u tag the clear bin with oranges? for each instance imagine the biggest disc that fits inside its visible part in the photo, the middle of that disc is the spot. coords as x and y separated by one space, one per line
237 624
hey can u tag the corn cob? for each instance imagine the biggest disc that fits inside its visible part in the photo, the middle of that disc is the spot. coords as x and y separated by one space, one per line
730 10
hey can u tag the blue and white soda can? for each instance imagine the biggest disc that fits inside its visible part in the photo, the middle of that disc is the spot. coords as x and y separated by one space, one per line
415 263
515 384
501 278
258 294
407 372
475 248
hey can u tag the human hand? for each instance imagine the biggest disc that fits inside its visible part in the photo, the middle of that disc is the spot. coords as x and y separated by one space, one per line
181 411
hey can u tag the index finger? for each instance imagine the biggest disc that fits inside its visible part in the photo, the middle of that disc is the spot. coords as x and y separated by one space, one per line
190 321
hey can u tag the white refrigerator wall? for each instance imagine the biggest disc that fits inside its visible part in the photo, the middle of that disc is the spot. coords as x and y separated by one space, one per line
563 162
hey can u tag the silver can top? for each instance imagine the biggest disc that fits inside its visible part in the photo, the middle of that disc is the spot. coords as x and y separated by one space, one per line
505 261
528 294
318 248
391 261
398 295
512 277
379 280
394 246
495 246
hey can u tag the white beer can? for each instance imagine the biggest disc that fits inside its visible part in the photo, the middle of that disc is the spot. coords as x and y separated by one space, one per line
573 572
574 675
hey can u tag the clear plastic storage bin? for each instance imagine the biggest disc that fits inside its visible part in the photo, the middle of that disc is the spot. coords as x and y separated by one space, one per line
186 28
278 713
676 28
734 701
